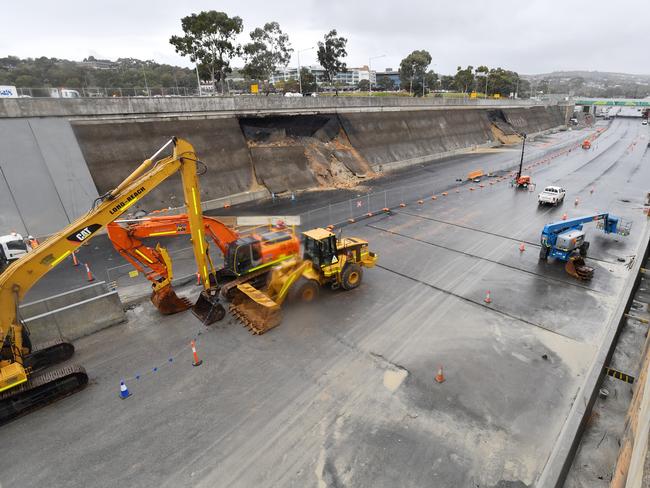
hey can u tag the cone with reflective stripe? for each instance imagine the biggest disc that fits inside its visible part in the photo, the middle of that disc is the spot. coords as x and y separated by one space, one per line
75 262
197 361
89 274
124 391
488 299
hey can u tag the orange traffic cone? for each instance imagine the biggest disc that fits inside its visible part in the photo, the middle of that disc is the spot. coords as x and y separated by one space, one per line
197 361
564 216
440 377
75 262
487 297
89 274
522 247
198 279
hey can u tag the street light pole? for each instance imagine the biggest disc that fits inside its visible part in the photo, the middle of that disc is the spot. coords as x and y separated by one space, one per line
370 72
299 75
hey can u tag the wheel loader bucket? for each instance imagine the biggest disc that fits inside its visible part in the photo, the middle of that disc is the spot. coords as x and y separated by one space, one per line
577 268
254 309
208 308
168 302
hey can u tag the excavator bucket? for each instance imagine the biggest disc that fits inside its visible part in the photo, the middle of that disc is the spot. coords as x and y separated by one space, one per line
254 309
577 268
168 302
208 308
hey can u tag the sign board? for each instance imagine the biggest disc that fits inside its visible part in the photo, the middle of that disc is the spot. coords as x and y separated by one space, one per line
133 273
473 95
252 220
255 88
7 91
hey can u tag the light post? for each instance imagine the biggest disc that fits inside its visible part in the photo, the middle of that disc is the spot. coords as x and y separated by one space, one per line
370 72
300 77
412 74
487 76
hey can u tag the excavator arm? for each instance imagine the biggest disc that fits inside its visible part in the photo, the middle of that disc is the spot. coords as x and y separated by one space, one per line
18 359
155 264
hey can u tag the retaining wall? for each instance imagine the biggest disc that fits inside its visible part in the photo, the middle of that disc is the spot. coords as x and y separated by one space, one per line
252 105
55 168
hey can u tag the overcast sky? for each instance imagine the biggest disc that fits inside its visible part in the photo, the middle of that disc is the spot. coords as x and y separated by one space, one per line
528 36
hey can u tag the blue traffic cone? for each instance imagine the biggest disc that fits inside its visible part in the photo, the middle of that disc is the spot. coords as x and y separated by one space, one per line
124 391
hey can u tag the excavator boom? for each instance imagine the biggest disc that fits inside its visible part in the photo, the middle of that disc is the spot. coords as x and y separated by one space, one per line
22 387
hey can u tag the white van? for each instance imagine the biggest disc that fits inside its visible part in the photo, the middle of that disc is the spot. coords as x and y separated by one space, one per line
12 247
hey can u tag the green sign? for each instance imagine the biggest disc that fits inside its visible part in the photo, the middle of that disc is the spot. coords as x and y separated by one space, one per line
616 103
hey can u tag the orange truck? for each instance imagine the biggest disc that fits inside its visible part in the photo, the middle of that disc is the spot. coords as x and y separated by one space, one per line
245 257
586 144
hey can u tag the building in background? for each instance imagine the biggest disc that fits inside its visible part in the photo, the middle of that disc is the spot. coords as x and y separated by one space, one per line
348 79
388 73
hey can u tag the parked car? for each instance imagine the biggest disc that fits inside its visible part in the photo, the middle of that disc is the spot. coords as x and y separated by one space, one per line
552 195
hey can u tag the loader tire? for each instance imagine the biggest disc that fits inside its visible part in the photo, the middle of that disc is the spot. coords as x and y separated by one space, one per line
307 291
352 276
543 253
584 247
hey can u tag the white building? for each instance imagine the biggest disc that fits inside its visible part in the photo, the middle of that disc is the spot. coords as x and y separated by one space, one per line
350 78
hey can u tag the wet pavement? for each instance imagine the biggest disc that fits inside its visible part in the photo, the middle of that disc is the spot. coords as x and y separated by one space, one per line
342 393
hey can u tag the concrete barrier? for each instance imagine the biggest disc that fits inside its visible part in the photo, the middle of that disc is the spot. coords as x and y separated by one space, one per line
76 319
54 302
241 105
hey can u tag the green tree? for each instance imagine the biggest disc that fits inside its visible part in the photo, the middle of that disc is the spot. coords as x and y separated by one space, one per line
464 79
269 50
447 82
413 69
330 54
308 81
363 85
210 39
482 77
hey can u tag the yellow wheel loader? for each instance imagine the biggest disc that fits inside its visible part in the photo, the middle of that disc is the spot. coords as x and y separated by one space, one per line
326 261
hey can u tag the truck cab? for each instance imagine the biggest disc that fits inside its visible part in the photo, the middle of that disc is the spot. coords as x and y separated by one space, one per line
552 195
12 247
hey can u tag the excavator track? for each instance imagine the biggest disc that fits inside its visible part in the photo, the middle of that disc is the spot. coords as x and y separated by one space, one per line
49 353
40 390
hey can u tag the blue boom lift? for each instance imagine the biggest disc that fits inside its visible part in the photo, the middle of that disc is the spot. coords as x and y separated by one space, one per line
560 240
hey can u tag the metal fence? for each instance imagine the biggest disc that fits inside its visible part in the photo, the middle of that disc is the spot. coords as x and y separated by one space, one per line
100 92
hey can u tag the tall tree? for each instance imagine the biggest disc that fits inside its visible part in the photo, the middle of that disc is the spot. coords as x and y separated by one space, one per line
210 39
481 76
386 83
308 81
269 50
413 70
330 54
464 79
447 82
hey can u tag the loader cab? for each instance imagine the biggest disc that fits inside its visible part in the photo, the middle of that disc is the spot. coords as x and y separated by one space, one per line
320 247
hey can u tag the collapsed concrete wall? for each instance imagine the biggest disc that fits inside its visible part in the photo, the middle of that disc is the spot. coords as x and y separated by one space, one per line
114 149
249 156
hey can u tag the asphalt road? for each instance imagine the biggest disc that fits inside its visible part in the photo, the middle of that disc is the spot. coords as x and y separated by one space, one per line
408 184
342 393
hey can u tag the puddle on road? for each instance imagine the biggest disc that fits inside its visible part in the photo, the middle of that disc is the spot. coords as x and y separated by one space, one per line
394 378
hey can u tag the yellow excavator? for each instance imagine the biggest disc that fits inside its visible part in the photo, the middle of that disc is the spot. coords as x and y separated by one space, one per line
326 261
27 380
